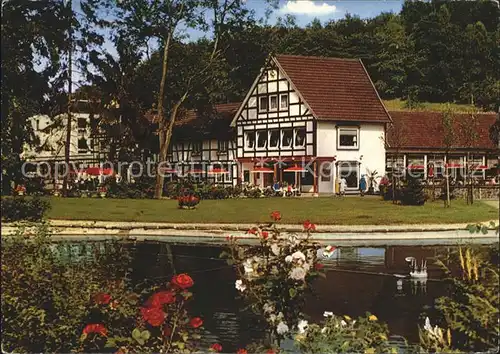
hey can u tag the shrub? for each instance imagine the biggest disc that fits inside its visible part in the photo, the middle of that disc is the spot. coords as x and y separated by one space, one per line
23 208
254 193
413 193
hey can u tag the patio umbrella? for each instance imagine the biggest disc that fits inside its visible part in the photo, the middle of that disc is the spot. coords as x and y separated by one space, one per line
218 171
430 172
262 170
479 167
295 169
96 171
453 165
416 167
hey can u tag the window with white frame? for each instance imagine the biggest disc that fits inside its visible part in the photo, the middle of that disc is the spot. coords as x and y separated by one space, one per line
284 101
300 137
261 139
82 145
249 140
286 138
348 138
273 103
196 148
222 146
263 104
274 138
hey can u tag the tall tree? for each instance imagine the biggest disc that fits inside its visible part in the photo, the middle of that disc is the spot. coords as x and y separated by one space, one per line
449 138
32 42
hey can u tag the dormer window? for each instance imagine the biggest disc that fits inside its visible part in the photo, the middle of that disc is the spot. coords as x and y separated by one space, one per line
284 101
273 102
348 138
263 104
196 148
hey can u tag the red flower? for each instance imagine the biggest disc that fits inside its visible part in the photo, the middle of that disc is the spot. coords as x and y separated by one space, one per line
161 298
102 298
242 351
265 234
271 351
308 226
95 328
216 347
252 231
196 322
183 281
318 266
276 215
153 315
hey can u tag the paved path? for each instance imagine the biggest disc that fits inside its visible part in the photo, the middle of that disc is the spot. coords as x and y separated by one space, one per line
217 233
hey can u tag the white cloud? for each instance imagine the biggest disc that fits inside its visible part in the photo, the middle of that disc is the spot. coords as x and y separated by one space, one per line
307 7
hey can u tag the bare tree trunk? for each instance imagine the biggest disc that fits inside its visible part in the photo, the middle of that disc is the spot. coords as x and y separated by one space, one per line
161 131
70 89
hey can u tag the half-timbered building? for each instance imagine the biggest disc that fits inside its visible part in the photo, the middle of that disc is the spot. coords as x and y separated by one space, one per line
305 120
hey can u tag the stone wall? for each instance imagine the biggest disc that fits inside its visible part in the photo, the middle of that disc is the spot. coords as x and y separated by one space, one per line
480 192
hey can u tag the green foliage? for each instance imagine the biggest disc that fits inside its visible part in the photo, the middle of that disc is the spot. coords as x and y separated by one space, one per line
47 289
471 310
23 208
341 334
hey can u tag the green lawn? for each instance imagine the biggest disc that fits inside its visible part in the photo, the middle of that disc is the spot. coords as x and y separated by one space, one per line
346 211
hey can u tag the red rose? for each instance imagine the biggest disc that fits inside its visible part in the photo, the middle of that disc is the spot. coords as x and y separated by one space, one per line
183 281
102 298
153 315
276 215
95 328
196 322
308 226
161 298
318 266
265 234
242 351
216 347
252 231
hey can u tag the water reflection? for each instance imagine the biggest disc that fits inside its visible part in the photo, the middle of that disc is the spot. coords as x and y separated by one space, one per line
359 279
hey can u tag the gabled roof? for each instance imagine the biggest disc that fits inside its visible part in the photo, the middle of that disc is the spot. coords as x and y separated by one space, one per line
335 89
424 130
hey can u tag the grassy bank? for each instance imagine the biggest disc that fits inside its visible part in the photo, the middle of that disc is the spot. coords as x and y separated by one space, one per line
346 211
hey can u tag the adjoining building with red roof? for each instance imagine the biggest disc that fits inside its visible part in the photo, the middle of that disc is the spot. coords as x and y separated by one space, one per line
311 121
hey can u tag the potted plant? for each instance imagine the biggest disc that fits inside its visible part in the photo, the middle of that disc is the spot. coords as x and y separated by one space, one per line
20 190
188 201
102 191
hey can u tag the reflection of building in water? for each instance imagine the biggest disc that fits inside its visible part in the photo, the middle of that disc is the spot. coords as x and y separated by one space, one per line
418 286
357 255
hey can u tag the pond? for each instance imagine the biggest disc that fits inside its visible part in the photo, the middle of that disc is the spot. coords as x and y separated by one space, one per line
358 279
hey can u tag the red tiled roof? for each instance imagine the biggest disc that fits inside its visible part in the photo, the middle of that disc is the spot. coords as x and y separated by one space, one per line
225 111
335 89
421 130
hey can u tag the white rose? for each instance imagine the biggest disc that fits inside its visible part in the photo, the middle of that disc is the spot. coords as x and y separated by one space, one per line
298 273
288 259
282 328
299 256
240 286
327 314
275 249
343 323
302 326
268 307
